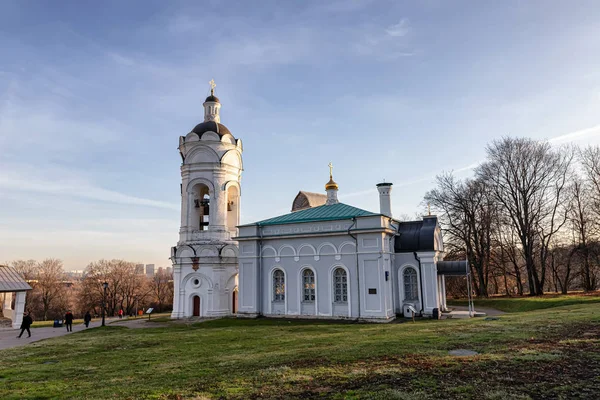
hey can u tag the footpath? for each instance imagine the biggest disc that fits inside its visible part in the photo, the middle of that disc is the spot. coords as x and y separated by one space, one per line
8 337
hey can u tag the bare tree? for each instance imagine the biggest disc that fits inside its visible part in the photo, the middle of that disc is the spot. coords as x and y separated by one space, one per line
529 180
26 268
582 227
590 161
161 286
49 287
467 214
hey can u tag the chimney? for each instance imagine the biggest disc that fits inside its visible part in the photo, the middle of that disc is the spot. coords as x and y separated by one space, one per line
385 202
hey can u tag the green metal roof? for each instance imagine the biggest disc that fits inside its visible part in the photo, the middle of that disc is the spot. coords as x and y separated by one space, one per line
320 213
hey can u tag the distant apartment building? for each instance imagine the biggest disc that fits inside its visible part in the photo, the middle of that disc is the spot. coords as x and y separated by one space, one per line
139 269
77 274
149 269
169 270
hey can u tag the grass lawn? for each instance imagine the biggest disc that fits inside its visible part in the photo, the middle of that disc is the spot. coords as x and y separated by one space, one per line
549 354
521 304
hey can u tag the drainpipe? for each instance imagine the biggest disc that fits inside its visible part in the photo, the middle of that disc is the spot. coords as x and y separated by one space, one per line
392 264
259 305
357 271
421 282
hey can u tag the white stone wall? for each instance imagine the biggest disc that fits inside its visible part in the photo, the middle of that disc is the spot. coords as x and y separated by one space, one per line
370 289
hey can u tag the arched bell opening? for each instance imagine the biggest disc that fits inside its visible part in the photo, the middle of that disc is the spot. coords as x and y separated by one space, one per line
233 209
200 207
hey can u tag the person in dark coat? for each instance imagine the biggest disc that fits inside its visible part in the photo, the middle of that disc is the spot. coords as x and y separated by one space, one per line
87 318
69 321
27 321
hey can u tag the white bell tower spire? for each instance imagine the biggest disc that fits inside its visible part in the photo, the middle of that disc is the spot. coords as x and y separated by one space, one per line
205 259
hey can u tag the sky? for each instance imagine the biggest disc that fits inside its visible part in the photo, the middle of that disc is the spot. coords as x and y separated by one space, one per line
94 96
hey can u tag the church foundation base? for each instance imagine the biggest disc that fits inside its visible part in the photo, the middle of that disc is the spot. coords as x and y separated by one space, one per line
247 315
329 318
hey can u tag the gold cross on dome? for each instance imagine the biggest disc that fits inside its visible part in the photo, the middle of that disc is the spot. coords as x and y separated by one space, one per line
330 165
213 85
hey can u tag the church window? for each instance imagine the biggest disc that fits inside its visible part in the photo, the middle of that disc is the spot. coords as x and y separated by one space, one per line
411 287
278 285
308 285
340 285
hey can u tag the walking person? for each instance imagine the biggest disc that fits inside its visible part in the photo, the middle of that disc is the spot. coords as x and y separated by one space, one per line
87 318
69 321
27 321
121 313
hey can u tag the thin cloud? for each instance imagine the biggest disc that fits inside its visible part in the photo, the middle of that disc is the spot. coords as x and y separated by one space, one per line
400 29
576 135
83 190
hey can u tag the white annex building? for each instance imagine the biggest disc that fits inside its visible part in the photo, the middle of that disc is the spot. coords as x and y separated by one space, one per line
325 259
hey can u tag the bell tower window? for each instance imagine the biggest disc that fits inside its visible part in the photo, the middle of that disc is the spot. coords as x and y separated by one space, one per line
204 213
200 216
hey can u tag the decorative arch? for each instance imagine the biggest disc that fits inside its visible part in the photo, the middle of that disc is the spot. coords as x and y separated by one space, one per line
267 249
229 251
182 253
207 182
231 183
310 247
324 246
191 137
239 144
207 250
232 157
210 136
346 244
286 246
199 275
202 154
228 138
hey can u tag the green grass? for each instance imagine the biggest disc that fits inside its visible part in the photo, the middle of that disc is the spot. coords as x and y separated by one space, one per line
549 354
522 304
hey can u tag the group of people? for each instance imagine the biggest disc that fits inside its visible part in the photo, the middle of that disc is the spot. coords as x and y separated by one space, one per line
28 320
69 320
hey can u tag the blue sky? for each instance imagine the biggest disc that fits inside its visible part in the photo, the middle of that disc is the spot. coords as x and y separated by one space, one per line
94 95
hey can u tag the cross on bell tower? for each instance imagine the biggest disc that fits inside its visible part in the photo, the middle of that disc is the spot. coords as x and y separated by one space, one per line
212 105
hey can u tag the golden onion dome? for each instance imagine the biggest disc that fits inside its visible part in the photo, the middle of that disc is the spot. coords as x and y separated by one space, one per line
331 184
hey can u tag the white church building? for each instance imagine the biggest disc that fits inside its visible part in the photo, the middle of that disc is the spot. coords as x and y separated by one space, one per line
324 259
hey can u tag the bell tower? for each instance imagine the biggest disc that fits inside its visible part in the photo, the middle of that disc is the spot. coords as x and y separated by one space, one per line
205 258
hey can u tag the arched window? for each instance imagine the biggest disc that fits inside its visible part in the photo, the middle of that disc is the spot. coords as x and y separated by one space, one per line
411 287
278 285
340 285
308 285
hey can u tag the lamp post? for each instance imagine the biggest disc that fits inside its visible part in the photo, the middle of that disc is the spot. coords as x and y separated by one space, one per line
105 286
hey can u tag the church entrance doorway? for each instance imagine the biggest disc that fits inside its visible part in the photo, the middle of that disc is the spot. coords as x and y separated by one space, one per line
234 302
196 311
